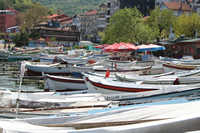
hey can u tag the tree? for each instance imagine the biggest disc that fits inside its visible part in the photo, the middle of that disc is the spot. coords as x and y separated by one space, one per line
34 16
187 24
59 11
21 39
51 11
35 35
160 20
126 25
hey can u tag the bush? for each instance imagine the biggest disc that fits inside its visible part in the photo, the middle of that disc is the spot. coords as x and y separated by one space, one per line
84 47
76 47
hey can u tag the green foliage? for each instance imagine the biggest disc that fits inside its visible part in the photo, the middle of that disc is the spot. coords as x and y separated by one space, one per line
84 47
76 47
21 39
160 20
33 16
51 11
187 24
35 35
52 39
126 25
20 5
72 7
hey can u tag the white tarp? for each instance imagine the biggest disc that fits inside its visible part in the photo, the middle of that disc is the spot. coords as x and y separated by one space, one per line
85 43
180 117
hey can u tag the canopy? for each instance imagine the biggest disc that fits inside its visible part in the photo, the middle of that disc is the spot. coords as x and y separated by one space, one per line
150 47
85 43
120 47
102 46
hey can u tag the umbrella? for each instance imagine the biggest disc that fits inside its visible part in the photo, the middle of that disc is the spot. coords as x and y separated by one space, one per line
101 46
120 47
150 47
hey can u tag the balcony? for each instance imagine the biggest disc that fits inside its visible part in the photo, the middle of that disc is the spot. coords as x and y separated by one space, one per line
101 19
101 12
101 26
116 8
107 16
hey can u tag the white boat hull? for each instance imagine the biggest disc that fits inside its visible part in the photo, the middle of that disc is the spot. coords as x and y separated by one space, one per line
59 83
37 69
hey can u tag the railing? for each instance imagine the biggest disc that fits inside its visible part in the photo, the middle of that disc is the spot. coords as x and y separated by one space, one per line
102 26
101 18
101 11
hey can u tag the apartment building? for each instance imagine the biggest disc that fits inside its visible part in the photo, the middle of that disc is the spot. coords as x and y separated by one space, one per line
8 20
88 25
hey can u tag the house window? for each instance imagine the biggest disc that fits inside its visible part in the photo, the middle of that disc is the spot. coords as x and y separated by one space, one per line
198 51
138 6
175 13
147 7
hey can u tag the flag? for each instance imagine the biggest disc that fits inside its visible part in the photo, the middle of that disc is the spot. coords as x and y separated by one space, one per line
107 73
115 64
191 50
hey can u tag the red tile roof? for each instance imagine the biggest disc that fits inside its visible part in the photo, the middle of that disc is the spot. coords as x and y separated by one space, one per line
67 21
177 6
56 16
93 12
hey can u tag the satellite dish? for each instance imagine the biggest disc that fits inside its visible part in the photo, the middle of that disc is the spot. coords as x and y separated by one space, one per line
171 36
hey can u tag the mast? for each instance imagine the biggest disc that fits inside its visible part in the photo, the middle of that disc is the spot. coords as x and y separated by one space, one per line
22 70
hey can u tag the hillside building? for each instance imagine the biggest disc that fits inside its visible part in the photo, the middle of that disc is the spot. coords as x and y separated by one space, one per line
177 7
88 25
58 30
8 23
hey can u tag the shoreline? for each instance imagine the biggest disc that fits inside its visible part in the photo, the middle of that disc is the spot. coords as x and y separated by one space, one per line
2 46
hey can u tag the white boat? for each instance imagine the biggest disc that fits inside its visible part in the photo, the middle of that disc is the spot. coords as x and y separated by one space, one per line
165 77
135 77
98 66
61 83
185 59
124 70
50 100
35 68
168 67
4 53
108 86
176 116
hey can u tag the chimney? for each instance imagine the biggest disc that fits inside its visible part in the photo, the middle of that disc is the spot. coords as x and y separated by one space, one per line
196 33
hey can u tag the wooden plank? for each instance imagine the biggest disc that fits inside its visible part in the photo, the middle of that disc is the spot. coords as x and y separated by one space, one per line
102 124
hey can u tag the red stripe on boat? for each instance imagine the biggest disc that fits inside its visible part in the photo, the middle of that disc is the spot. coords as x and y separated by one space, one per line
178 67
80 81
120 88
